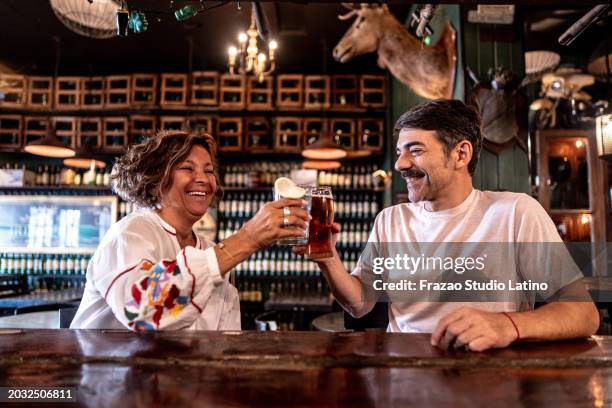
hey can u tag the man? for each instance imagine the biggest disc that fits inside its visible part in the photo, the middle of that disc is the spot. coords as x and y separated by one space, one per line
438 146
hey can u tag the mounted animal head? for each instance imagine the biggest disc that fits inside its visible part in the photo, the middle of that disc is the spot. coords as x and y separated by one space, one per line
363 36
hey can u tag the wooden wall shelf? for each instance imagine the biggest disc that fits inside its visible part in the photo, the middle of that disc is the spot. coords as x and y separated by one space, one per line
65 129
15 90
89 132
229 134
115 134
117 91
204 88
144 90
173 90
232 91
345 91
317 92
370 134
288 134
92 92
67 93
40 92
372 91
290 91
258 134
259 94
141 127
172 123
34 128
10 131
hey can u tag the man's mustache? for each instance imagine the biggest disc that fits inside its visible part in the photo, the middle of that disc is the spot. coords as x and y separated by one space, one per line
411 173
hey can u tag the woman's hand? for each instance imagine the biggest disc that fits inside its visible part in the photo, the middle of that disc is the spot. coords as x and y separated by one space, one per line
268 226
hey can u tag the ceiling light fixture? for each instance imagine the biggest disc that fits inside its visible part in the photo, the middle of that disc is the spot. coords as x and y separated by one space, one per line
50 146
247 58
321 164
85 158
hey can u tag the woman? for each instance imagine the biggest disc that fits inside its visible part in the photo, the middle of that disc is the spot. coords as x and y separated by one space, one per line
151 271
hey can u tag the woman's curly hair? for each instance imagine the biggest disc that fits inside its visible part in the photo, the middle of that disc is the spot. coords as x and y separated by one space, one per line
144 171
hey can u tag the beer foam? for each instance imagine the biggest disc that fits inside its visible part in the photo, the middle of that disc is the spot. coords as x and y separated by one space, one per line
288 189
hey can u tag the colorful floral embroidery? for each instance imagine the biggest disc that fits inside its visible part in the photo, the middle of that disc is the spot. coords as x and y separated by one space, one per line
154 294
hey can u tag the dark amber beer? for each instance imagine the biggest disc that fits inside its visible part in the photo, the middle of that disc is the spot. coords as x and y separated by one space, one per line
322 213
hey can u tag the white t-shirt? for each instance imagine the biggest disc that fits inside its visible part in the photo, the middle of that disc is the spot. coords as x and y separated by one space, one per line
140 278
484 217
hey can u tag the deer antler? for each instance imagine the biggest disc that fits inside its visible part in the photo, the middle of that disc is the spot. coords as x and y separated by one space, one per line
348 15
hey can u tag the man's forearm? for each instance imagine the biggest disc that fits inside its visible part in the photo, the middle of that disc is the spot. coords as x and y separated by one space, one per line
346 288
557 321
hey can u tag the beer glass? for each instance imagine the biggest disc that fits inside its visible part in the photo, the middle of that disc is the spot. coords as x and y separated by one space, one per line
322 213
303 240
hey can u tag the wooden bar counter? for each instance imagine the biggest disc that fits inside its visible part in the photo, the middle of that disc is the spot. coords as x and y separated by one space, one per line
302 369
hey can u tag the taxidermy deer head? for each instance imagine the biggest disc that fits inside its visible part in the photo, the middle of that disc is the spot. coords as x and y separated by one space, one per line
428 71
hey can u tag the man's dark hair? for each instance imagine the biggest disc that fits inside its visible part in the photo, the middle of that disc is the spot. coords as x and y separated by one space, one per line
453 122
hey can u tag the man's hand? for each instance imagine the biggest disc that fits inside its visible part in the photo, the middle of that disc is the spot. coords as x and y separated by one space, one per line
303 249
476 329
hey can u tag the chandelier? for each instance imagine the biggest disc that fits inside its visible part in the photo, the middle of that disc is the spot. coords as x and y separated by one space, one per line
89 18
247 59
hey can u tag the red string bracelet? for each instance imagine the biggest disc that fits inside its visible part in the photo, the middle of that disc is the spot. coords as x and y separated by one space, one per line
518 335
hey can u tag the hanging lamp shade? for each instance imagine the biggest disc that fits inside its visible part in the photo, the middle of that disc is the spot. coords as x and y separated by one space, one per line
50 146
356 154
324 149
89 18
321 164
84 157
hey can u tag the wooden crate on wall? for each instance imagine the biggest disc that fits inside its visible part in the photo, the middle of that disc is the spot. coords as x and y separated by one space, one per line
115 133
288 134
40 92
117 91
372 93
204 88
15 90
232 91
343 132
259 94
173 90
229 134
34 128
313 128
173 123
65 129
89 132
257 134
201 124
144 89
10 131
370 134
289 91
316 92
142 127
92 92
345 91
67 92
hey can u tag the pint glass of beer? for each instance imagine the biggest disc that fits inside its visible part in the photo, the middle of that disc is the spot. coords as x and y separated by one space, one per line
322 213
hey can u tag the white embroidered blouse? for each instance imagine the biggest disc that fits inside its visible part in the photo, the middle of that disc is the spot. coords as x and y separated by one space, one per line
139 278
